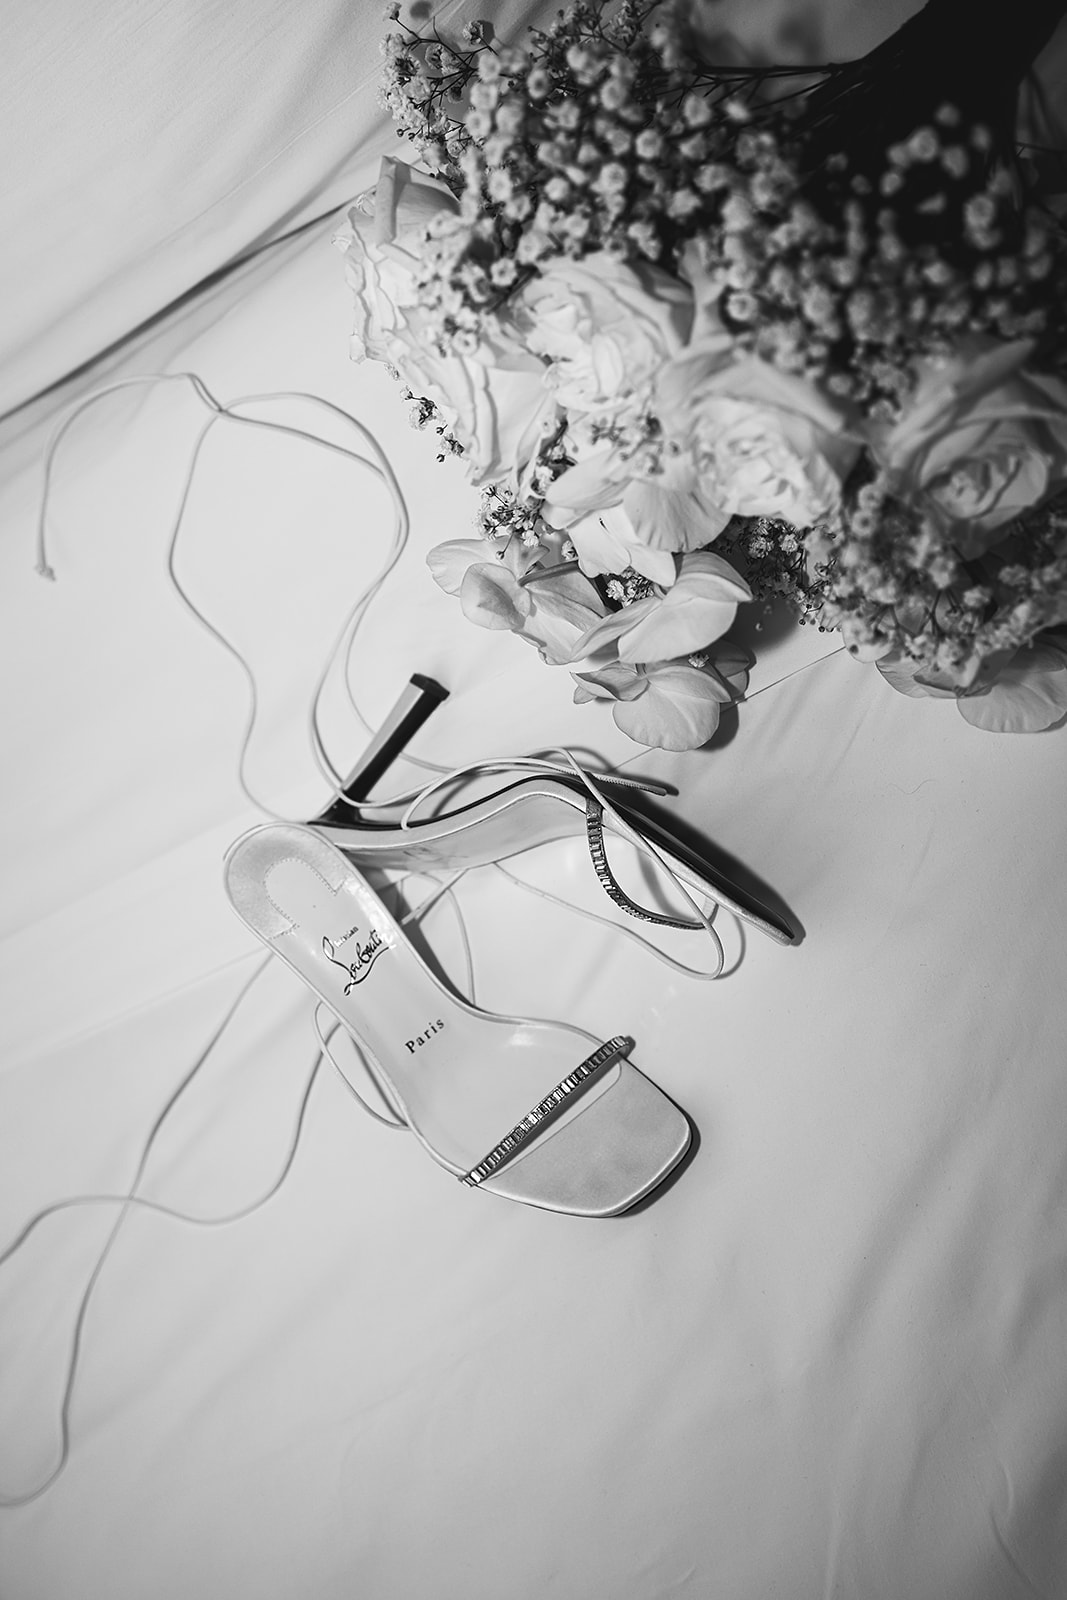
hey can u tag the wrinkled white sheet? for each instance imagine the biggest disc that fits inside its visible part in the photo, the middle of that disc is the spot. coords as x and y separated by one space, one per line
149 143
828 1361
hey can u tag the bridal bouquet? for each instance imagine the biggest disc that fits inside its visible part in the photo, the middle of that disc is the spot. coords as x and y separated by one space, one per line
706 336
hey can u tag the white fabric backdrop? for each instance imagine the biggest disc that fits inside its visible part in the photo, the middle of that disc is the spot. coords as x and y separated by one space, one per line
827 1362
148 144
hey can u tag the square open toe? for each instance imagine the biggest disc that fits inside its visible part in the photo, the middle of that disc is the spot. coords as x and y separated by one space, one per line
607 1157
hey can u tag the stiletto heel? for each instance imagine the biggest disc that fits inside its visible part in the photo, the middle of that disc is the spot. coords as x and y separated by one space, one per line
537 1112
418 700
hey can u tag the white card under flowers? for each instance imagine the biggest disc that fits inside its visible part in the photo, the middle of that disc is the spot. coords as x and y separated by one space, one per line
779 645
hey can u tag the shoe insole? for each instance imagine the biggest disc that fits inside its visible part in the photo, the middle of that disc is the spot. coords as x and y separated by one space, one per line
463 1078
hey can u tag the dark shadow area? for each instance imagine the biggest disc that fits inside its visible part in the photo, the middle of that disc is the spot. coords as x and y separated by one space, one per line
727 731
757 626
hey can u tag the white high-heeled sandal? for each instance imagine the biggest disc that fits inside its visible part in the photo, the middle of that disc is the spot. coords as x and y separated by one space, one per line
538 1112
542 800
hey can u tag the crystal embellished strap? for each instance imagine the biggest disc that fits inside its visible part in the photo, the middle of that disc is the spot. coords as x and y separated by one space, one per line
594 829
530 1124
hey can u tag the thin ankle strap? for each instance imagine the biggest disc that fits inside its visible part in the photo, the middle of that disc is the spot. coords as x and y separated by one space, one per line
535 765
602 804
565 766
594 832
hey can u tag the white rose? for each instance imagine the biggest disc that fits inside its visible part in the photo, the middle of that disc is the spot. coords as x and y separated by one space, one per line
383 244
605 327
980 442
765 443
495 400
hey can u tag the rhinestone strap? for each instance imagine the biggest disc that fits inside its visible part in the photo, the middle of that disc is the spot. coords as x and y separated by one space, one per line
530 1124
594 830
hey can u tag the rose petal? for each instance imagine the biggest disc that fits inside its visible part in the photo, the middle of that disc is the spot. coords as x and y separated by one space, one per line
406 199
511 406
766 443
607 629
1030 694
981 440
978 366
495 400
974 531
901 675
604 325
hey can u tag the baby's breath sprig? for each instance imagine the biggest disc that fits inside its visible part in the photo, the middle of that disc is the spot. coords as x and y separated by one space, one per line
424 86
605 131
501 512
601 132
853 296
775 559
843 231
422 413
884 574
621 589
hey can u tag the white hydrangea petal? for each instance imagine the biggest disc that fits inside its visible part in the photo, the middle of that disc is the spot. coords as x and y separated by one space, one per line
655 565
492 597
903 675
1029 695
448 562
589 485
558 616
679 709
696 611
608 629
679 513
614 682
606 542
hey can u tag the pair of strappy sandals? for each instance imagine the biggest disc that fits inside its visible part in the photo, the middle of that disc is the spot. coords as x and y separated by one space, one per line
500 1102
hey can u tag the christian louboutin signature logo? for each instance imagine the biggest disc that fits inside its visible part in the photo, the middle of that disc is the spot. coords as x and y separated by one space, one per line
365 956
